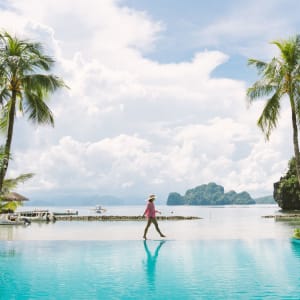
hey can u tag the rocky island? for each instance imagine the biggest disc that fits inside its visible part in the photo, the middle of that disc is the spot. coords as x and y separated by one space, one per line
209 194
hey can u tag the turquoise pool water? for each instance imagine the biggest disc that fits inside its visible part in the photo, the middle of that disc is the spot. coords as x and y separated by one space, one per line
193 269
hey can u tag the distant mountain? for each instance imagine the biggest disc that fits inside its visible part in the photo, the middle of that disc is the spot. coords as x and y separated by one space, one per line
74 200
209 194
265 200
82 200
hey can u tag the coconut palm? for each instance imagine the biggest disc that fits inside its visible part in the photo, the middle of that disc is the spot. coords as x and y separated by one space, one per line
9 185
25 85
8 203
279 78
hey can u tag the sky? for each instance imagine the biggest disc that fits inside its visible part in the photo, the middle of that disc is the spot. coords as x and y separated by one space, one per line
157 96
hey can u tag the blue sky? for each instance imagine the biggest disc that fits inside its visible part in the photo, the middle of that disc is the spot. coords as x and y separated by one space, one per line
157 98
183 21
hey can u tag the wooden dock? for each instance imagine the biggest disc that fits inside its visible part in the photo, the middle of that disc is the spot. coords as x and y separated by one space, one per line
122 218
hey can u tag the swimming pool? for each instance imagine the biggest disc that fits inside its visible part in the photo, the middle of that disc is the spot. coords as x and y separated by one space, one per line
193 269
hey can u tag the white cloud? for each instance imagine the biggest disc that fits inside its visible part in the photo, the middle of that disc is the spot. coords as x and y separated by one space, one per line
248 27
130 125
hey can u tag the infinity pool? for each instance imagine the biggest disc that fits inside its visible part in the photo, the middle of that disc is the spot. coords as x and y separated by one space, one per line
203 269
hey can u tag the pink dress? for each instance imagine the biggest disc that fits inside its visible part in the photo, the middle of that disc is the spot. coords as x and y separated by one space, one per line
150 210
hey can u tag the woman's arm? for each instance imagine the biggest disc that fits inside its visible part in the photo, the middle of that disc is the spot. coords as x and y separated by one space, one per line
146 210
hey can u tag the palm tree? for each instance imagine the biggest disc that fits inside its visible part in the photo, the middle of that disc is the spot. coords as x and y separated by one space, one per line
9 185
25 85
279 78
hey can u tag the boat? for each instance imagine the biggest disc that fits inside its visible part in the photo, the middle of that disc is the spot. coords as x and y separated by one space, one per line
99 209
13 219
67 212
37 215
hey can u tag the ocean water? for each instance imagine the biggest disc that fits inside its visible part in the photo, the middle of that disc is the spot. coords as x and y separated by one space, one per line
214 269
231 253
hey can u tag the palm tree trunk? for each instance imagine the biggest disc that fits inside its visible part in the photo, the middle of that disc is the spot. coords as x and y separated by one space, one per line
296 143
7 146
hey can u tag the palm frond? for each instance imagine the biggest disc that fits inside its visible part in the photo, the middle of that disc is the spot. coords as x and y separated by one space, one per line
260 89
24 84
11 183
260 65
37 110
4 94
4 117
47 83
274 71
9 206
269 117
289 52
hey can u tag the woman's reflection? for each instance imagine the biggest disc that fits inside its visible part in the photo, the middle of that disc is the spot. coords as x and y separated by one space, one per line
151 262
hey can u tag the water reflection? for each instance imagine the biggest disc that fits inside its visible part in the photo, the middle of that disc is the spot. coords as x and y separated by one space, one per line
7 232
295 244
8 253
151 262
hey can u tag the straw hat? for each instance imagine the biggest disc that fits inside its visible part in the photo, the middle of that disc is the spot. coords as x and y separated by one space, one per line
151 197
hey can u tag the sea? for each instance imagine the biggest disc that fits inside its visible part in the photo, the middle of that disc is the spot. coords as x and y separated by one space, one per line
217 222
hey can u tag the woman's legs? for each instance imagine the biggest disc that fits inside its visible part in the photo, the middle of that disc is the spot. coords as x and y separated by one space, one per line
146 228
154 221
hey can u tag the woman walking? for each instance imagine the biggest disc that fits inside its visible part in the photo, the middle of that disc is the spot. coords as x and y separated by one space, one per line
150 213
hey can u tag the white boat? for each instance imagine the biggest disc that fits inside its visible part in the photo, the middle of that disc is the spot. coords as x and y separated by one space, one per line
99 209
13 219
37 215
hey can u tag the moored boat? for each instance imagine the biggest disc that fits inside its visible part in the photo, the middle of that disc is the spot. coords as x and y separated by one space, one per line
99 209
13 219
37 215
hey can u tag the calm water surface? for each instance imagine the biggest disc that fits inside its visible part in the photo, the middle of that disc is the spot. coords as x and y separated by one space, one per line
228 222
227 269
232 253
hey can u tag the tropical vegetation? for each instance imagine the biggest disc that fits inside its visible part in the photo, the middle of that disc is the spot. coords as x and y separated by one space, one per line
279 80
25 87
296 233
287 189
9 184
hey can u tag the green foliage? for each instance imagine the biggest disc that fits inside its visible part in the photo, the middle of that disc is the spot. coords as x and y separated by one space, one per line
25 87
10 206
209 194
9 185
297 233
25 79
175 199
278 78
287 190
